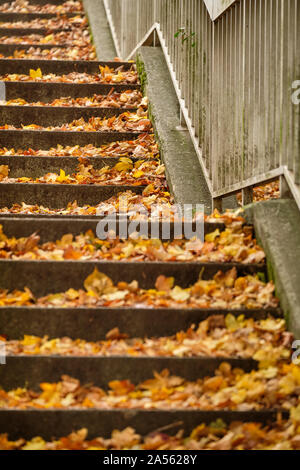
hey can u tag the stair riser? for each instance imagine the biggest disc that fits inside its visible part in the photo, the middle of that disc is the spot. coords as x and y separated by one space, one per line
93 324
40 2
38 166
63 275
28 31
47 92
12 17
56 196
9 49
53 229
58 423
53 116
47 139
20 371
57 67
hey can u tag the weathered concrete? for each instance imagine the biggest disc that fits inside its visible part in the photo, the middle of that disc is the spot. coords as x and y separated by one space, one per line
99 26
183 169
23 139
56 196
277 226
28 31
32 91
31 371
40 2
37 166
31 16
56 66
53 229
92 324
63 275
51 423
54 115
9 49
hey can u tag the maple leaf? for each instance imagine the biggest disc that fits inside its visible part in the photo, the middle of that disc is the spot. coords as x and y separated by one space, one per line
124 164
126 438
62 177
35 73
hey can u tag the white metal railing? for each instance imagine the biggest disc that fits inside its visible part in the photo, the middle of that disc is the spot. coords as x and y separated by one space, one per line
235 66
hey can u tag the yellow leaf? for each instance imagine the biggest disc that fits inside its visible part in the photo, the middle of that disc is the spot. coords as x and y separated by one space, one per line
118 295
29 340
210 237
62 177
295 414
47 39
37 443
98 283
231 322
138 174
23 179
72 294
179 294
35 73
124 164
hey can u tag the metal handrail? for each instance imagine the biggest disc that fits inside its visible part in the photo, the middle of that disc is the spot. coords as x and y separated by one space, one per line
235 69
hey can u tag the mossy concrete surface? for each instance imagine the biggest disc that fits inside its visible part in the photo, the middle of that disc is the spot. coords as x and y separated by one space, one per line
99 26
277 226
183 170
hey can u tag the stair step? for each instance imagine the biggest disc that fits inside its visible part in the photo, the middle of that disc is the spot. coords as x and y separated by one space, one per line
41 139
62 275
30 371
37 166
54 115
92 324
28 31
56 196
40 2
57 423
57 67
47 92
12 17
9 49
51 229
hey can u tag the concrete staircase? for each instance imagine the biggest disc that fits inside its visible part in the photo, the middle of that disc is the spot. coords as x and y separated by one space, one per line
43 277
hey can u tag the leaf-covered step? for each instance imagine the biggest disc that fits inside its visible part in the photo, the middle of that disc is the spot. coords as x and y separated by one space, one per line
31 16
46 139
26 31
63 275
32 91
54 115
30 371
9 49
59 195
35 167
55 423
58 67
93 324
52 229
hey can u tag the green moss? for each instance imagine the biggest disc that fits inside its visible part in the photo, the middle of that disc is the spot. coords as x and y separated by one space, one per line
141 73
144 82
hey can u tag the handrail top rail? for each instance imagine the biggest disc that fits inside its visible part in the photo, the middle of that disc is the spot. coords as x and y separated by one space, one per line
215 8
